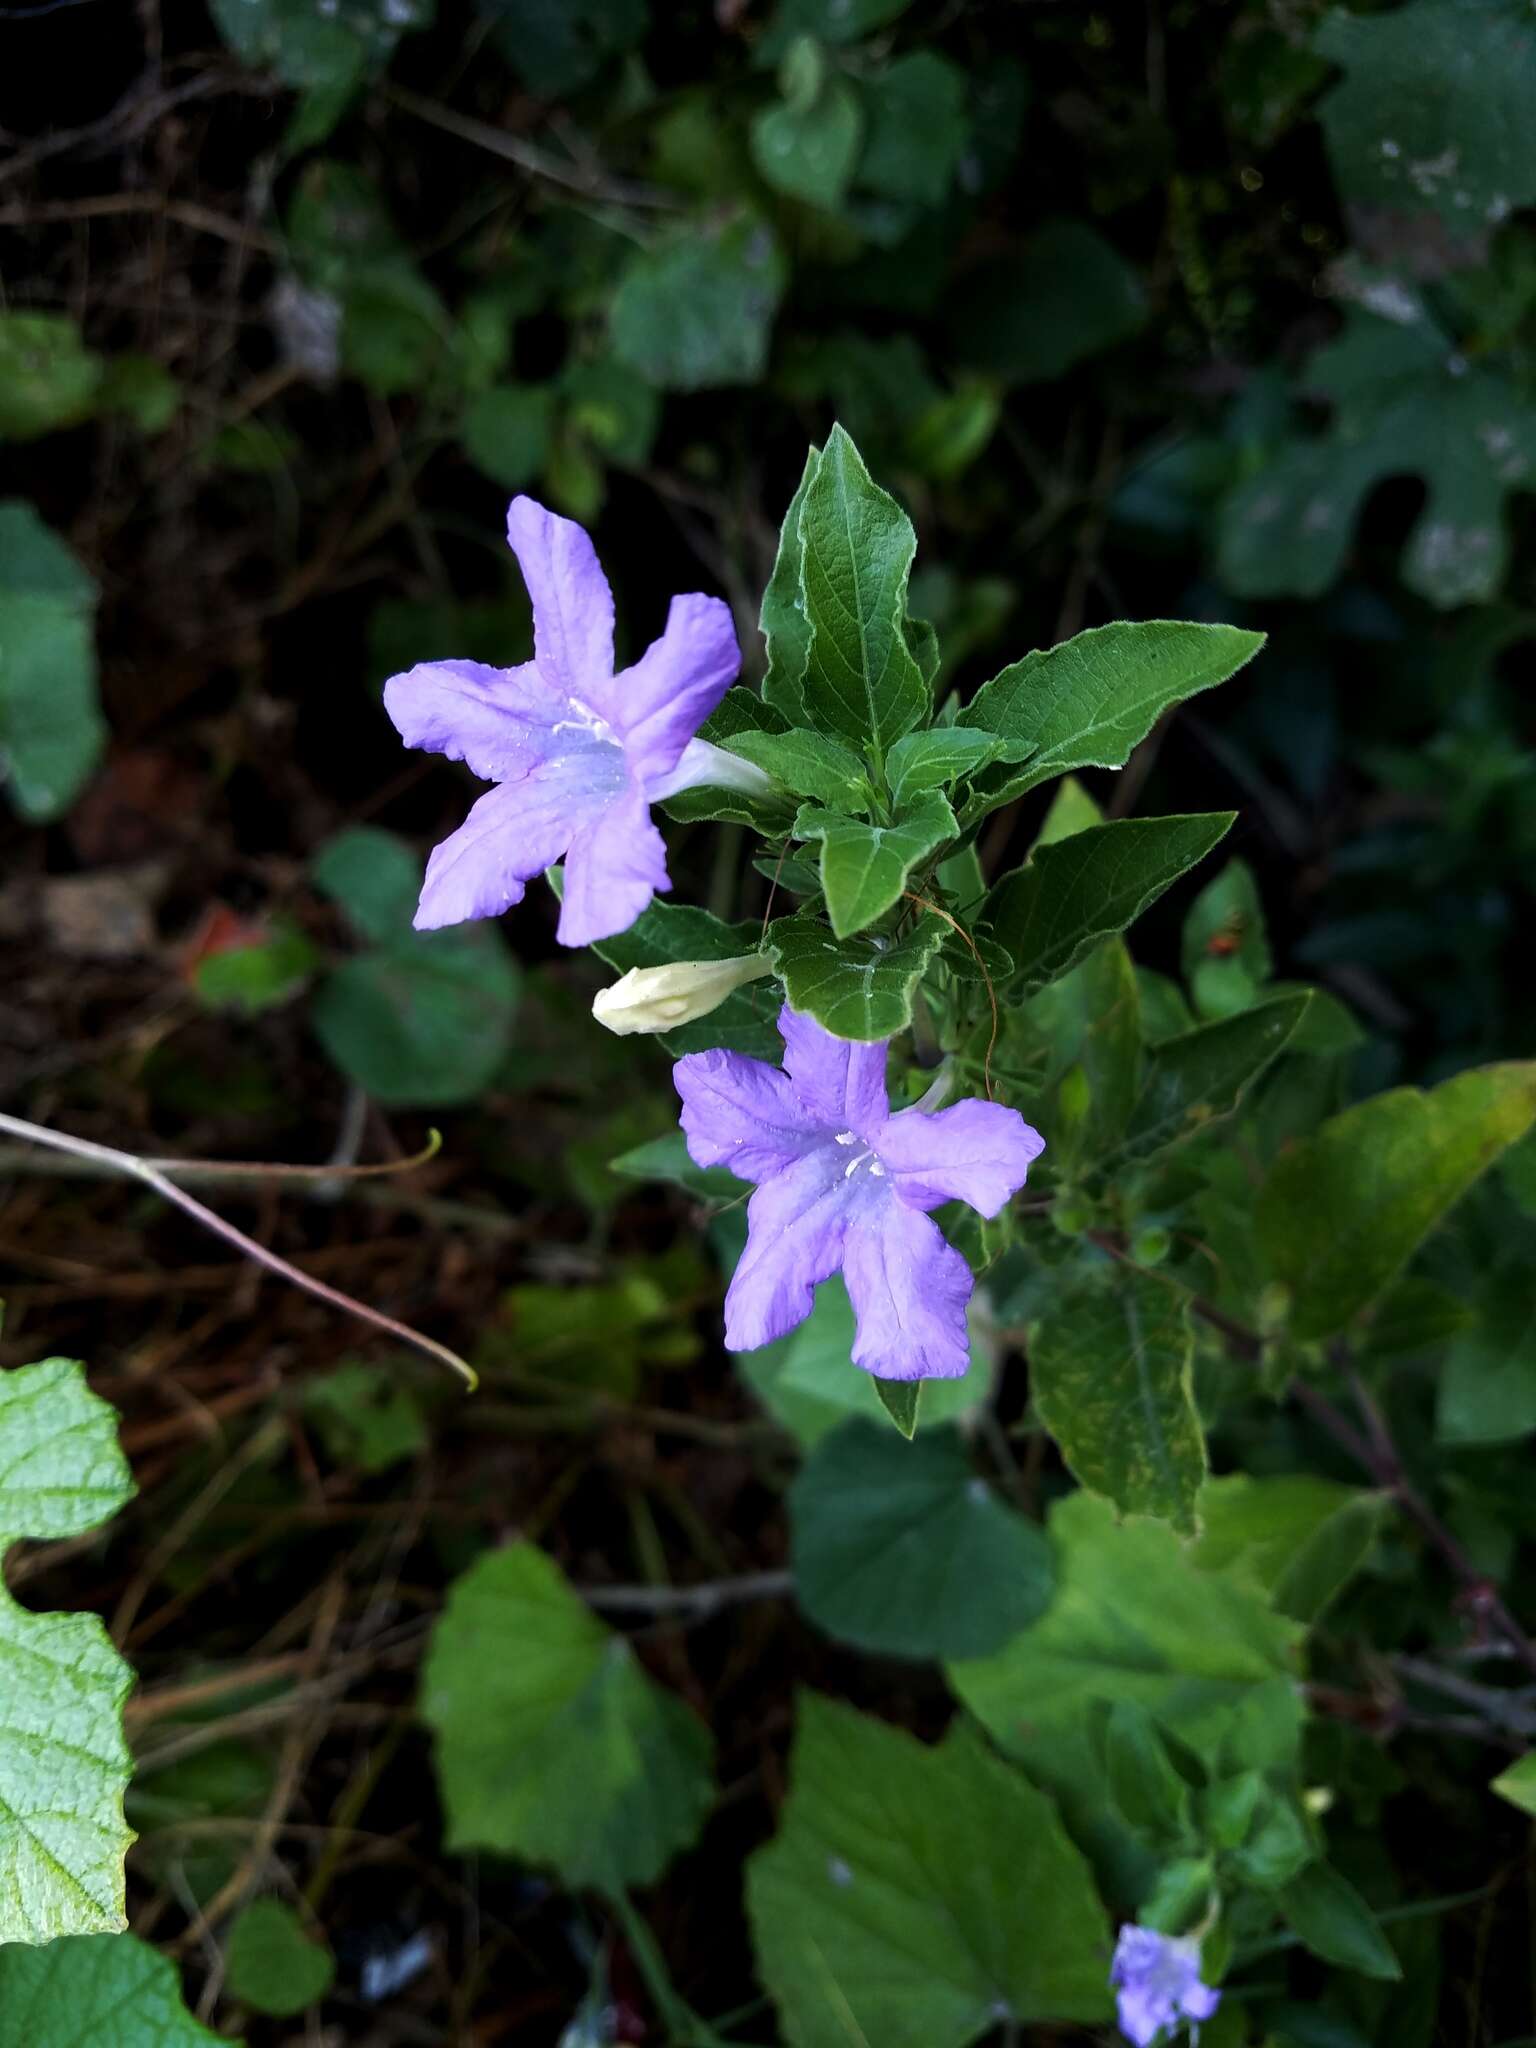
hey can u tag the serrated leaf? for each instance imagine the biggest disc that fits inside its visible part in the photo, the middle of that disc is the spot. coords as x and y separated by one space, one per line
1433 111
1336 1923
695 310
899 1548
810 764
782 621
861 679
1190 1081
864 866
1077 892
745 1022
63 1762
105 1990
1300 1538
1342 1212
51 728
936 758
552 1742
1110 1375
915 1896
859 988
273 1964
1089 701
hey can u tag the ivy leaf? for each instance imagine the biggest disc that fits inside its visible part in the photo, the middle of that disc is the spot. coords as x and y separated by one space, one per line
1077 892
900 1549
111 1989
936 758
864 867
746 1021
1434 110
1405 399
859 988
696 310
1191 1080
51 727
807 145
809 764
914 1897
273 1964
63 1762
552 1742
1110 1374
1343 1211
1089 701
785 628
506 431
917 129
1135 1618
862 680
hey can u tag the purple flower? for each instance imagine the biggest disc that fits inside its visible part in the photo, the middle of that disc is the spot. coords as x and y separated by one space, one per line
578 754
843 1183
1158 1987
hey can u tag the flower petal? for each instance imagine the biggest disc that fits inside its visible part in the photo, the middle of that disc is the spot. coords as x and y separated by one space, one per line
742 1114
909 1290
795 1226
841 1083
974 1151
658 705
497 720
616 864
572 604
512 833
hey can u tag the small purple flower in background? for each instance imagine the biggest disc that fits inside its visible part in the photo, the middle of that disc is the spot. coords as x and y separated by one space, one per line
1157 1985
843 1183
578 753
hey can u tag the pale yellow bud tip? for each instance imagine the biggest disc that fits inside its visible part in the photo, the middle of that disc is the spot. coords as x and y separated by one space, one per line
661 998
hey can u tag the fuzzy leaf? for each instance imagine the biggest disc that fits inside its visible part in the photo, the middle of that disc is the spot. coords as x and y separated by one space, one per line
1191 1080
785 628
864 867
810 764
664 932
859 988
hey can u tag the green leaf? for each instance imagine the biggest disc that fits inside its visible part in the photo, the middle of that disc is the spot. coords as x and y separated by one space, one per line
668 1159
106 1990
1190 1081
1433 111
859 988
696 310
1077 892
1226 954
901 1400
834 21
375 878
1487 1386
809 764
320 50
1110 1376
395 330
1342 1212
63 1761
263 976
48 377
555 46
864 867
51 728
1089 701
917 129
934 759
1136 1618
365 1416
272 1964
862 680
914 1897
422 1022
1067 294
506 432
552 1742
1336 1923
900 1549
1518 1783
745 1022
785 628
1299 1538
809 1383
807 145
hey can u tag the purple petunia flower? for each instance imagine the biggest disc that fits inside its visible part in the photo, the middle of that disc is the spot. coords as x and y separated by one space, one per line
578 753
1157 1985
843 1183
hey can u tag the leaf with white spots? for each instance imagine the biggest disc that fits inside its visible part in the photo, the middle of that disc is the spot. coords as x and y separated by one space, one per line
63 1762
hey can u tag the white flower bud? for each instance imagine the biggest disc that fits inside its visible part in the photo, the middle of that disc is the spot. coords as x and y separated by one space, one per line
704 765
661 998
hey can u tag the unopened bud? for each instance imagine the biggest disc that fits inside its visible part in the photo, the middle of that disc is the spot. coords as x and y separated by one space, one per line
661 998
